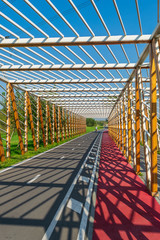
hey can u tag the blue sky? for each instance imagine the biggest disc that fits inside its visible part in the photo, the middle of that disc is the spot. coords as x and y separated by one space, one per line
127 8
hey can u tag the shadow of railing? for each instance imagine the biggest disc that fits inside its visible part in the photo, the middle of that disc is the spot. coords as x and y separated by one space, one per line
23 206
124 208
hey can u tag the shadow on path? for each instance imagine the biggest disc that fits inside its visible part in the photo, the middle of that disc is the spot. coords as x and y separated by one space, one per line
124 208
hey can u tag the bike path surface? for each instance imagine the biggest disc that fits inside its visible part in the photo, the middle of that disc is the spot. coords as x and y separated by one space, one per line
31 192
124 208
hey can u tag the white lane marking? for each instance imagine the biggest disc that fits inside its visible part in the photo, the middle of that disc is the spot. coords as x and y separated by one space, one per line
79 144
29 159
33 179
58 213
84 179
75 205
89 165
73 148
62 157
84 219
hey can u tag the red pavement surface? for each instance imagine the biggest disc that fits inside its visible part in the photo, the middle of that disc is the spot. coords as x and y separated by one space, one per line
124 208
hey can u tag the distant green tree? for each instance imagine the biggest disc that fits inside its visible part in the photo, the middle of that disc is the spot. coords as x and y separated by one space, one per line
90 122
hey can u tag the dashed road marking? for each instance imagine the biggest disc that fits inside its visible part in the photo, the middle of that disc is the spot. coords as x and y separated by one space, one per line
58 213
73 149
40 154
33 179
62 157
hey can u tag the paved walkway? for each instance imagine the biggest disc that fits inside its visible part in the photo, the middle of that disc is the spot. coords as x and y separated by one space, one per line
34 195
124 208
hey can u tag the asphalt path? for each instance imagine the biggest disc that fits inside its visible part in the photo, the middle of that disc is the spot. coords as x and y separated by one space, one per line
31 192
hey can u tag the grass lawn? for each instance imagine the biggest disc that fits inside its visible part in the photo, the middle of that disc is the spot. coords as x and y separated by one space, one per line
91 129
16 153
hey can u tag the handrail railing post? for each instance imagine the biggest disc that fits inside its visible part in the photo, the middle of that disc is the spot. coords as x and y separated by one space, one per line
137 124
129 124
153 119
8 105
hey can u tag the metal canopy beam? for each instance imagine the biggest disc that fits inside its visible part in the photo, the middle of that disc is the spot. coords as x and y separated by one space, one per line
57 67
75 41
140 61
69 81
78 95
74 90
82 100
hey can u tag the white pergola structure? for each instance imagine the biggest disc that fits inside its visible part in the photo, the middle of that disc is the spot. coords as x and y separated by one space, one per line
53 50
93 59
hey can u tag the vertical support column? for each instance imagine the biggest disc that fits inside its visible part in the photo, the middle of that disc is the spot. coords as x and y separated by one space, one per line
153 119
55 123
58 127
75 123
156 45
133 123
79 123
2 156
38 99
50 125
145 137
63 123
72 124
53 132
42 125
121 117
124 127
137 125
141 131
69 125
126 118
26 122
8 143
118 124
60 123
16 118
129 124
46 123
31 121
66 122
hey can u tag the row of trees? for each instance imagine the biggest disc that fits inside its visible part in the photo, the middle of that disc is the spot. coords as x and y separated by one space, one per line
90 122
